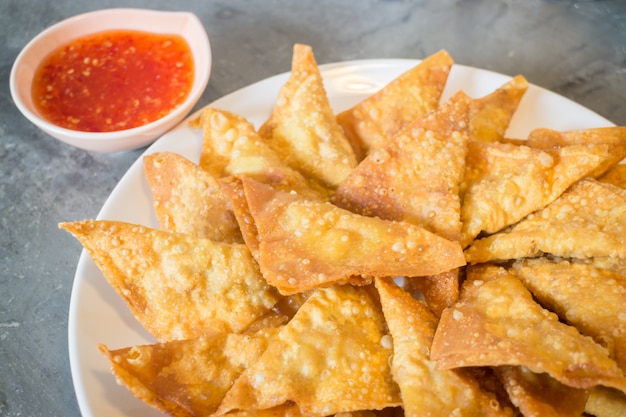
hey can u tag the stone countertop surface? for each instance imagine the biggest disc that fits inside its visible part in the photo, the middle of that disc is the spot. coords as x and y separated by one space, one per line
574 48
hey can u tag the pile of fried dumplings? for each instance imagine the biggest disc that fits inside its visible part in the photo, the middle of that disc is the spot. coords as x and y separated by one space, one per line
400 257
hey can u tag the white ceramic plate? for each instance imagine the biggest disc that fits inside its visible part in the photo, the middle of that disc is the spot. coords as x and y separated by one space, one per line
98 314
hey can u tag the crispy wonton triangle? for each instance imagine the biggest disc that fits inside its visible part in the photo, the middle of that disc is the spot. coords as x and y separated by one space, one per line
187 199
305 244
303 128
540 394
587 222
427 391
332 357
614 136
415 176
177 286
231 146
496 322
506 182
410 96
187 378
491 115
591 298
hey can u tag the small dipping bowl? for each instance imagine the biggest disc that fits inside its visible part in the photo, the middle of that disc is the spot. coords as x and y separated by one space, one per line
183 24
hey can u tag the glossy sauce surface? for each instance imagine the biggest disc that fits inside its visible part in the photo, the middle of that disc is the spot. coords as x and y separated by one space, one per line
113 80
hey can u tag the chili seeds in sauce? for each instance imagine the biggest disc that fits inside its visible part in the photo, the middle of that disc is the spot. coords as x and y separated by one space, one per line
113 80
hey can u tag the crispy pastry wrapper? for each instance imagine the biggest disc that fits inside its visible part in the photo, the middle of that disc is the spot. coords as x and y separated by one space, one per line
496 322
232 147
425 389
614 137
591 298
415 177
586 222
491 115
540 394
414 93
332 357
305 244
504 182
187 199
177 286
303 128
606 402
186 378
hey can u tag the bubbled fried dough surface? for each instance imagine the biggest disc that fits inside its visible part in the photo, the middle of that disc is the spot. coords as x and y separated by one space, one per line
333 356
177 286
597 208
305 244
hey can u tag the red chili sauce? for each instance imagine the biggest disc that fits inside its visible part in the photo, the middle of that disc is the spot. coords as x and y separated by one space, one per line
113 80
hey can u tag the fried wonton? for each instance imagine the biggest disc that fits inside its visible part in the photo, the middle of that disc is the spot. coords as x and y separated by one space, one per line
506 182
540 394
304 244
491 115
303 128
410 96
231 146
615 176
332 357
415 176
587 222
614 136
187 199
427 391
591 298
187 378
177 286
496 322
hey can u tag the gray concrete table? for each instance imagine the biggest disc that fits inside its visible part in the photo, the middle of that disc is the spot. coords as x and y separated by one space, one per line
574 48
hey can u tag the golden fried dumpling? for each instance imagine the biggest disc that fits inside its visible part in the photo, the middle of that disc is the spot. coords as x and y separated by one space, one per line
614 137
505 182
305 244
591 298
232 147
426 390
177 286
496 322
587 222
187 378
538 394
187 199
407 98
415 176
332 357
303 128
490 116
